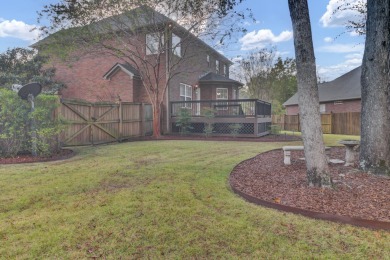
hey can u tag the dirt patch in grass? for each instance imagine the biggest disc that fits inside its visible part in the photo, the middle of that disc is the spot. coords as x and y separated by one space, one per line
28 158
355 194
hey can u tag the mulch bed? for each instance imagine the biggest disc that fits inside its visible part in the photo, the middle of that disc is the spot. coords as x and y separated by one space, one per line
355 194
28 158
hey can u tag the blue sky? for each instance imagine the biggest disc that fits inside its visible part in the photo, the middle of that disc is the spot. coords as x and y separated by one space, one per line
336 51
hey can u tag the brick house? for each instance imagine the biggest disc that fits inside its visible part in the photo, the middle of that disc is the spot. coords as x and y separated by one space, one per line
340 95
191 69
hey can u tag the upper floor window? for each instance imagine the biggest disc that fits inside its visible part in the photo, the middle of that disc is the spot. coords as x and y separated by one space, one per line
153 43
186 94
176 45
208 61
225 70
217 66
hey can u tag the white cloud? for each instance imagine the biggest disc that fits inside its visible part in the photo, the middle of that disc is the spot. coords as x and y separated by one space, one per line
338 18
262 38
351 61
17 29
328 39
342 48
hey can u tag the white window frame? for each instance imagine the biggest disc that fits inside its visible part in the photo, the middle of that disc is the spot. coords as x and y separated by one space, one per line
339 102
217 66
176 45
153 43
222 98
225 70
208 61
322 108
234 95
186 94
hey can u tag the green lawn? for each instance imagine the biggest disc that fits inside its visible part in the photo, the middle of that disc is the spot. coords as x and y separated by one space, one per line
159 199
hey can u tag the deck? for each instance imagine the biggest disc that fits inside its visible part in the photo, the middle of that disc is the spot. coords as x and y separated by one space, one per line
241 117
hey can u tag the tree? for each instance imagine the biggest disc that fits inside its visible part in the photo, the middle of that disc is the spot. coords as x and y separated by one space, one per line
256 72
267 79
114 27
357 25
283 83
22 66
317 166
375 80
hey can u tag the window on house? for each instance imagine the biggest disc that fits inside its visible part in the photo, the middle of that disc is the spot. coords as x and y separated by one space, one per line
222 94
225 70
208 61
217 66
186 94
176 45
234 94
322 108
338 102
153 43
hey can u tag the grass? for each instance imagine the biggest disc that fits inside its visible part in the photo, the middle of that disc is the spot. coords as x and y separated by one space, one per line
163 199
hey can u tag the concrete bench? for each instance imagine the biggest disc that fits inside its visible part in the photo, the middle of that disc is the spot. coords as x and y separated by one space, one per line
287 152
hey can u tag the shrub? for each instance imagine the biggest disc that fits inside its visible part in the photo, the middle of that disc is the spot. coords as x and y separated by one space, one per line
235 129
184 121
48 125
13 123
209 114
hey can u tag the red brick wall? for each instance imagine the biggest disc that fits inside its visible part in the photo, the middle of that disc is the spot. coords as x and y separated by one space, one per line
292 110
331 107
346 106
83 75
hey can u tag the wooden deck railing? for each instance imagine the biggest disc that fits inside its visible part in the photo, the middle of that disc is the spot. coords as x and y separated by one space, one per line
223 108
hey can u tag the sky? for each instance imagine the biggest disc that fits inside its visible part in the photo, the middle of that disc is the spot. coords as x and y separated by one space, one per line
336 50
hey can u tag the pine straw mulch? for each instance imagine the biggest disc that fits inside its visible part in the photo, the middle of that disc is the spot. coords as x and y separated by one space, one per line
28 158
355 194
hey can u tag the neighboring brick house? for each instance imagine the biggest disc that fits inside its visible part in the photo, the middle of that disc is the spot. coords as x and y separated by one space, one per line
340 95
201 74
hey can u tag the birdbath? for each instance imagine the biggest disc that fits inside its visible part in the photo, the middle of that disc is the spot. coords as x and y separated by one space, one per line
350 151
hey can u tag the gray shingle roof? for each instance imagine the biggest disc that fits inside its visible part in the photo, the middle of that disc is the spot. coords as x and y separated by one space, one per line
140 17
213 77
345 87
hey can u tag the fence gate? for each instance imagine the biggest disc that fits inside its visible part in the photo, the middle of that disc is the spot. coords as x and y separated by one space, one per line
97 123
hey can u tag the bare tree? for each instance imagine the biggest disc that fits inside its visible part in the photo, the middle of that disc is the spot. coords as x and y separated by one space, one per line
317 166
375 123
119 27
255 70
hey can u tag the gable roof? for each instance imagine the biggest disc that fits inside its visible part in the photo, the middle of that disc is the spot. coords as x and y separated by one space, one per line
125 67
345 87
214 77
145 16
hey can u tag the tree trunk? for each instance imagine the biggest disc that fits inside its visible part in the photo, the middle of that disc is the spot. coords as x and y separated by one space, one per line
375 123
156 120
309 108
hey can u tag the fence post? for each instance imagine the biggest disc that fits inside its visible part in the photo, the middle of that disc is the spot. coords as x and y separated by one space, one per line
120 111
90 124
299 123
142 117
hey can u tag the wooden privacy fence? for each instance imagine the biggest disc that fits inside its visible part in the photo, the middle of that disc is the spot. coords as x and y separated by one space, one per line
98 123
334 123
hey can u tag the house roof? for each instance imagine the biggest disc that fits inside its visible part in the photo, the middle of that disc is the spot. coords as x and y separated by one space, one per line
345 87
140 17
125 67
213 77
